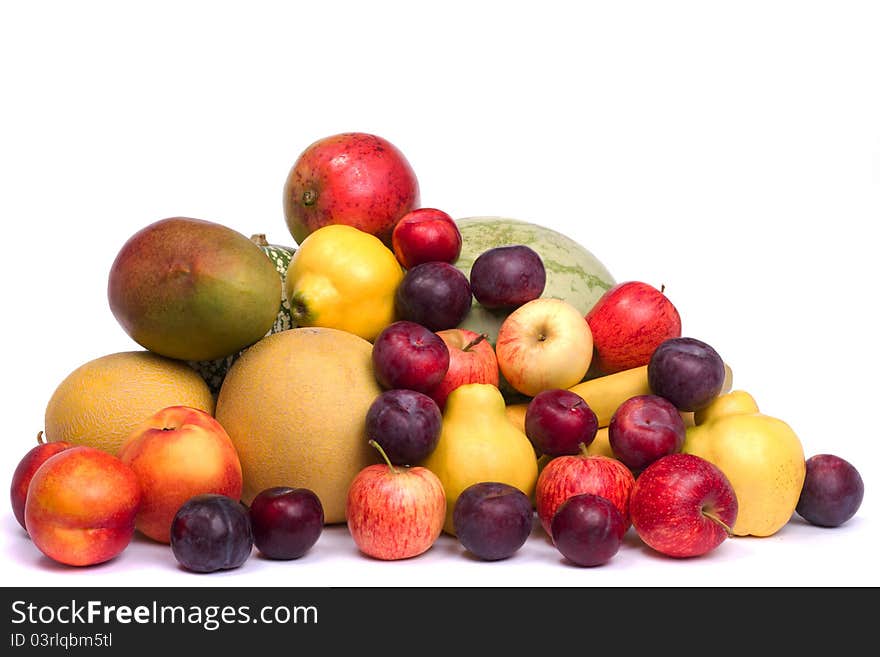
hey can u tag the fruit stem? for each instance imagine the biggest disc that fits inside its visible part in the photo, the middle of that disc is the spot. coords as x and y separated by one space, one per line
40 439
309 197
384 456
477 340
583 448
259 239
714 518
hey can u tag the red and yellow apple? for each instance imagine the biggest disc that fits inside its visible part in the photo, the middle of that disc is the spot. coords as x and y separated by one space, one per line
24 472
545 343
395 512
177 453
565 476
628 322
471 360
81 506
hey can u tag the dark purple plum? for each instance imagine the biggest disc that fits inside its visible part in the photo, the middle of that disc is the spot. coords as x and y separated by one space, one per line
406 423
286 521
558 421
507 276
434 294
832 492
409 355
644 428
492 520
686 371
211 532
587 529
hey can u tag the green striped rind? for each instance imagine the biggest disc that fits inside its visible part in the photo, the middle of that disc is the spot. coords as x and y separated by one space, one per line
214 371
573 272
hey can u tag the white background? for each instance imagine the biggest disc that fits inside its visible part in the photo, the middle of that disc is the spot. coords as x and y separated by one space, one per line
729 151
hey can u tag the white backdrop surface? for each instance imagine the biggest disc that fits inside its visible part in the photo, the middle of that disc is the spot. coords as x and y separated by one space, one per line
730 152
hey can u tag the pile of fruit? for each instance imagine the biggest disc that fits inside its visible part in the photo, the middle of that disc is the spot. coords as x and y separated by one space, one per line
406 374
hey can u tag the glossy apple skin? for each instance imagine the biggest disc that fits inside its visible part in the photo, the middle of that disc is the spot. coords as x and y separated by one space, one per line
352 178
81 506
559 421
286 521
24 472
395 513
644 428
670 502
628 322
832 492
543 344
408 355
426 235
177 453
565 476
587 529
471 360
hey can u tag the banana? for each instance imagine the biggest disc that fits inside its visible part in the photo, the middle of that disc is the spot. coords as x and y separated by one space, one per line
605 393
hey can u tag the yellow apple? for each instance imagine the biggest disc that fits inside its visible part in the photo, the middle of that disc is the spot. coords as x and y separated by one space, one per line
761 455
545 343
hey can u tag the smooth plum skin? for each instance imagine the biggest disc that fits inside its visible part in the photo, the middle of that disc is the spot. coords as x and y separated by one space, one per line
435 294
686 371
286 521
507 276
426 235
832 492
406 424
587 529
558 421
211 532
645 428
492 520
409 355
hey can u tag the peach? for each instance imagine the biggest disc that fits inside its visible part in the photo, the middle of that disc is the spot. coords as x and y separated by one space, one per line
81 506
177 453
24 472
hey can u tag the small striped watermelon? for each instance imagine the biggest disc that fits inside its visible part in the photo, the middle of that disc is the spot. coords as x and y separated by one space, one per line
214 371
573 272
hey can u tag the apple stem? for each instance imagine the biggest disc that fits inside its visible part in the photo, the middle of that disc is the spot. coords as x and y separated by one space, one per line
384 456
714 518
477 340
662 288
40 439
583 448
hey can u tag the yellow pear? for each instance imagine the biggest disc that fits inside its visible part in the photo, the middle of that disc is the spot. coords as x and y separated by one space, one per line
761 455
477 443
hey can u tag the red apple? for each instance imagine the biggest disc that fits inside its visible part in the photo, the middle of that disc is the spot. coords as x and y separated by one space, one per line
543 344
565 476
177 453
628 322
81 506
352 178
25 470
683 506
426 235
395 512
471 360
